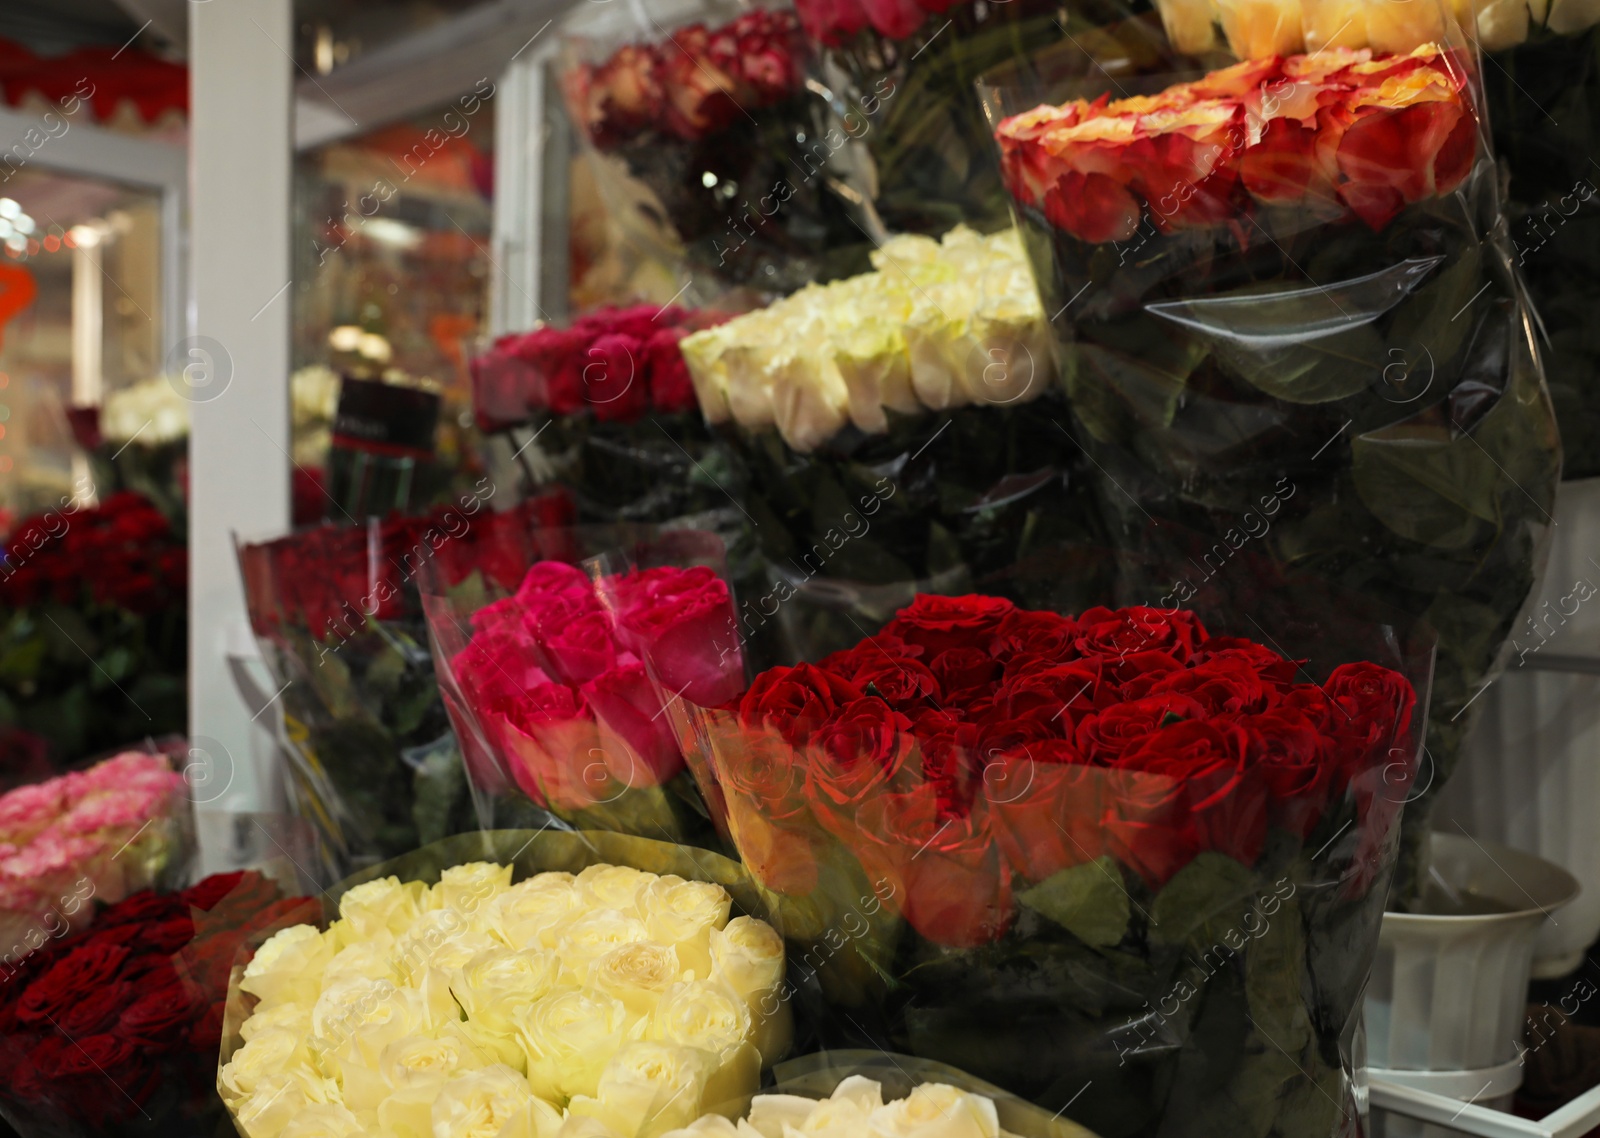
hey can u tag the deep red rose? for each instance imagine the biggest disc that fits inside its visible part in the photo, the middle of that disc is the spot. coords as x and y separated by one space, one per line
903 683
100 1059
953 765
1138 672
671 385
1148 827
1373 692
964 674
614 379
167 936
206 1034
763 782
1102 632
1104 737
1272 667
160 1017
557 357
97 1010
938 624
862 750
1046 808
72 979
1225 801
1023 638
140 908
795 702
1223 686
1067 691
208 893
1285 752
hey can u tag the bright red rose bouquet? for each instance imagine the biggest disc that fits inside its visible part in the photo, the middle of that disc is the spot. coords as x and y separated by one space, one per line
692 130
373 762
547 682
103 585
1110 849
116 1029
1288 321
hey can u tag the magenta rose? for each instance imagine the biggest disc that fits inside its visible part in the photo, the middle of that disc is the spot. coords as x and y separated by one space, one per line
582 649
614 379
671 386
556 358
685 630
625 701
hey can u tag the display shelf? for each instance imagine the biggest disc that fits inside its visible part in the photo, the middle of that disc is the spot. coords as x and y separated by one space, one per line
1574 1120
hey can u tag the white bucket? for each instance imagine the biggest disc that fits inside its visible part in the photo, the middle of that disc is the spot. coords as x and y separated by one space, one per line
1529 775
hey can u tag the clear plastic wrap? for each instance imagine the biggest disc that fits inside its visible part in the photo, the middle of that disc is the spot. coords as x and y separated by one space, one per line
1287 320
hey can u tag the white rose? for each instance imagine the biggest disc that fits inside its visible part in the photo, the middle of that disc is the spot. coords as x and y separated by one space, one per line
381 909
269 1053
589 936
276 1100
412 1070
357 1018
288 968
466 888
638 974
613 887
748 957
685 914
568 1038
324 1121
368 960
442 939
649 1087
935 1110
810 402
709 1016
524 915
292 1017
497 985
711 1126
490 1103
774 1116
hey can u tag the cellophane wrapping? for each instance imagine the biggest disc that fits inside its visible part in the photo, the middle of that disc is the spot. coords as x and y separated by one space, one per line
336 610
1287 319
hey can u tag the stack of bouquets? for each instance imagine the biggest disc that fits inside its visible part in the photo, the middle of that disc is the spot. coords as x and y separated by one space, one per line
1290 321
889 432
336 611
614 1001
906 131
1121 867
115 1029
613 407
692 126
108 583
97 834
548 681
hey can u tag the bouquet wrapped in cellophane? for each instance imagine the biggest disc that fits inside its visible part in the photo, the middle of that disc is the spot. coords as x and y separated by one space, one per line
899 431
374 764
691 113
1288 322
544 676
1127 865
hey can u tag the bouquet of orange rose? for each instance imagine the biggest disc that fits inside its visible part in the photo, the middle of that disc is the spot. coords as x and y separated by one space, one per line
1287 318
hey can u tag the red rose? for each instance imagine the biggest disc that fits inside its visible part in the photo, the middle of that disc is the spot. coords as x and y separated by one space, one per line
582 649
1225 802
72 979
102 1058
1104 737
557 358
167 936
140 908
1285 753
902 683
965 675
1025 637
1102 632
863 749
1067 691
1272 667
1093 207
690 639
1148 827
96 1011
795 702
1375 694
896 19
627 704
769 820
1047 808
160 1018
614 381
671 385
208 893
1138 672
206 1034
937 624
1223 686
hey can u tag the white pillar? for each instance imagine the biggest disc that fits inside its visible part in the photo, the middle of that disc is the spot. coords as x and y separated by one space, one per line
235 364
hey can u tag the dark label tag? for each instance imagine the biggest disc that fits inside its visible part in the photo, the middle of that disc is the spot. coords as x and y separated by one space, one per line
384 419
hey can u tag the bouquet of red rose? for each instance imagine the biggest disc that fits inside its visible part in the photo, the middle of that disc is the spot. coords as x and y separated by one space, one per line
1288 321
373 762
1110 849
93 626
547 681
116 1029
691 134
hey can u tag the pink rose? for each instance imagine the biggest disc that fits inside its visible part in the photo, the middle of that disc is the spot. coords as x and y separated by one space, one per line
897 19
684 627
627 703
582 649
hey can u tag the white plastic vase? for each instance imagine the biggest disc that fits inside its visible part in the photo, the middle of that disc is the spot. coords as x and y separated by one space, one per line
1529 775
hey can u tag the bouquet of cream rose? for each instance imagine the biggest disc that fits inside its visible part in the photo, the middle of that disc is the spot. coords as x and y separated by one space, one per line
521 999
896 434
1289 322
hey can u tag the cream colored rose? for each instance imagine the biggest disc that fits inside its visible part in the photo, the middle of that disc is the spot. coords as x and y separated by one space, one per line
467 888
525 915
684 914
709 1016
357 1018
935 1110
441 939
589 936
488 1104
711 1126
291 1017
613 887
288 967
412 1071
650 1087
278 1099
638 974
368 960
324 1121
496 986
270 1053
748 957
568 1038
380 909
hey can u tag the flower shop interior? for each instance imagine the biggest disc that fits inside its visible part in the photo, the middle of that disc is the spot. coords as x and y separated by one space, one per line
624 569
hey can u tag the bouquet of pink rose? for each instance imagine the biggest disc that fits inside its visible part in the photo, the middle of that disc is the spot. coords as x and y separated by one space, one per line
98 833
548 688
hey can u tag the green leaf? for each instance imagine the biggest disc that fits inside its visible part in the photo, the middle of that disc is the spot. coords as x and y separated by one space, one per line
1211 886
22 661
1274 968
1088 900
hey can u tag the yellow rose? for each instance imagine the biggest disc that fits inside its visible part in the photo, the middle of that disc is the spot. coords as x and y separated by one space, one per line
324 1121
293 1017
524 915
709 1016
288 968
269 1053
467 888
748 957
568 1038
612 887
497 985
648 1088
488 1104
381 909
589 936
638 974
278 1099
684 914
